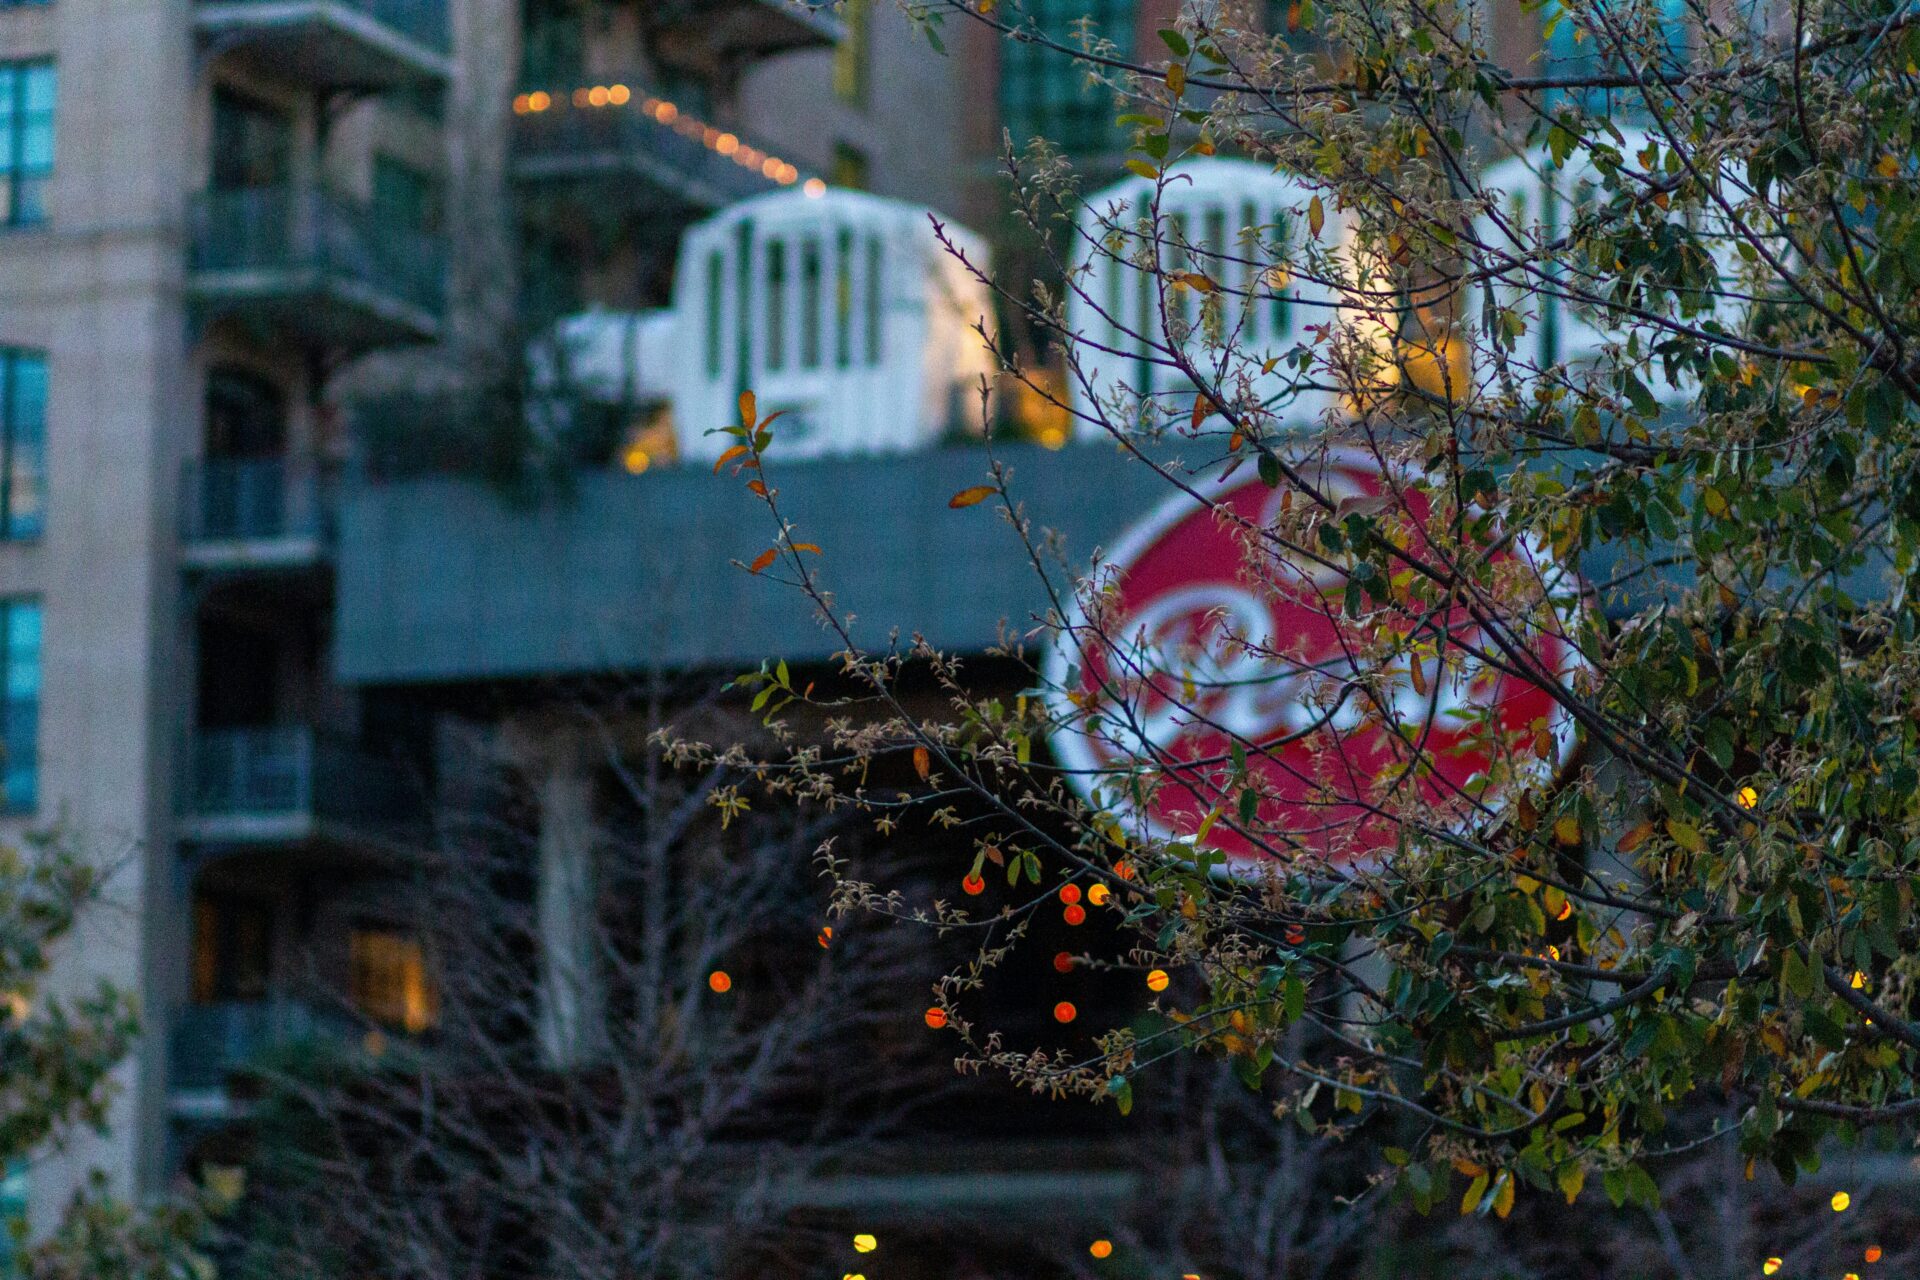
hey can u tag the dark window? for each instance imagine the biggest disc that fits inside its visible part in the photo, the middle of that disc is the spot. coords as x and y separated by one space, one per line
1044 92
26 141
405 197
246 414
23 444
849 167
20 713
252 143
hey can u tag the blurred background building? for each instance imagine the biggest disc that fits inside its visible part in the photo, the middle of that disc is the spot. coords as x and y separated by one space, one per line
270 269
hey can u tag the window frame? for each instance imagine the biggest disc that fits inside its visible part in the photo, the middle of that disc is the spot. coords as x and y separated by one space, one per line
1043 93
11 704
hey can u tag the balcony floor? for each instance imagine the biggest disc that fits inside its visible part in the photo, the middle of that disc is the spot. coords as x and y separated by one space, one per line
318 307
323 43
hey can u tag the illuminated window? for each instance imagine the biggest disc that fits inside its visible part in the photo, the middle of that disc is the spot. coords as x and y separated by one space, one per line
854 54
26 141
232 948
20 712
1044 92
23 443
389 982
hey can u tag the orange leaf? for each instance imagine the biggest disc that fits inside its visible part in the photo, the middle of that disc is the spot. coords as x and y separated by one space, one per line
808 546
1634 838
968 497
757 486
749 409
729 456
1201 408
922 762
762 560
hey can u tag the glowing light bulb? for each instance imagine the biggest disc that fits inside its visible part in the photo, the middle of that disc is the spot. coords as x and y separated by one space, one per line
936 1017
815 188
1873 1253
1065 1012
1069 893
1746 797
1770 1266
1101 1248
720 981
1099 894
1841 1200
1157 980
865 1242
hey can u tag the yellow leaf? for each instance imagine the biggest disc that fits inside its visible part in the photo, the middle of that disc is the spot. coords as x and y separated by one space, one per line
1887 167
1714 500
735 452
1316 215
922 763
1503 1195
762 560
1198 281
1468 1168
1177 79
1471 1201
1635 837
1686 835
968 497
749 410
1571 1180
1567 830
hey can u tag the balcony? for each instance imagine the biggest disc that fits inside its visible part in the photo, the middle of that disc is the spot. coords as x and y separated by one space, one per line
653 152
212 1041
717 32
289 784
245 514
316 267
332 45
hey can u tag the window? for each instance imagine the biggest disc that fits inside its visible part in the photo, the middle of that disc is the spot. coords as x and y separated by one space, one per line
405 197
252 143
1044 93
23 443
26 141
389 982
14 1187
1575 48
232 948
849 167
20 712
852 56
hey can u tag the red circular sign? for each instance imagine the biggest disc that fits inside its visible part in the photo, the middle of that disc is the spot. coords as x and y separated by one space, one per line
1193 654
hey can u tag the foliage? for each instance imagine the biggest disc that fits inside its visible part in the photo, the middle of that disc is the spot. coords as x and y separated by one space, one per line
57 1054
1547 977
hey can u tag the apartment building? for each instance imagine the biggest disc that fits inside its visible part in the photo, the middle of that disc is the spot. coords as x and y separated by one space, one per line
222 224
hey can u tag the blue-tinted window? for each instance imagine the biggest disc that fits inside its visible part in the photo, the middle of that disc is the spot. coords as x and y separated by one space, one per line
13 1198
26 141
23 443
20 709
1044 92
1578 48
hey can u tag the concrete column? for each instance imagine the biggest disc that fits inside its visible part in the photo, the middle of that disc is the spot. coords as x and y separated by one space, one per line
572 994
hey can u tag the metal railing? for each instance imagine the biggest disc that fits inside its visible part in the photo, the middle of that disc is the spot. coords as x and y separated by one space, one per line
293 772
565 141
423 21
211 1041
282 228
253 499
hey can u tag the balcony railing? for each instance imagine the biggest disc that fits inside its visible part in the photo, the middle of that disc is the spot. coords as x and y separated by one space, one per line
673 155
211 1041
423 21
253 500
285 782
308 252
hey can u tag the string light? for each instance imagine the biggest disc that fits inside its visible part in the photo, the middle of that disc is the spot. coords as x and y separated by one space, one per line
1840 1201
1157 980
936 1017
865 1242
1075 914
1069 893
1873 1253
1063 962
1099 894
1101 1248
1065 1012
661 111
1770 1266
974 885
720 981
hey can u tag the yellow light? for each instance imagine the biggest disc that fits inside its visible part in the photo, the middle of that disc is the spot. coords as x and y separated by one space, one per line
520 104
597 96
865 1242
1770 1266
1051 436
772 168
1157 980
635 459
1873 1253
665 112
580 97
1099 894
1840 1201
852 1275
815 188
1746 797
619 95
1851 1275
720 981
1101 1248
726 144
1859 980
539 101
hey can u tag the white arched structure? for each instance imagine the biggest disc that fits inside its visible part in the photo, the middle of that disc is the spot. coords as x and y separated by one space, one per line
1536 202
843 310
1240 224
